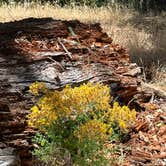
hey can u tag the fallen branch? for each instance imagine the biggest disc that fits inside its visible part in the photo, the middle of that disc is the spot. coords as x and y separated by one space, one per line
50 54
57 63
65 49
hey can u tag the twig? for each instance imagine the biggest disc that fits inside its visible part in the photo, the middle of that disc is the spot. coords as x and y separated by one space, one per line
57 63
71 31
143 68
65 49
130 101
152 98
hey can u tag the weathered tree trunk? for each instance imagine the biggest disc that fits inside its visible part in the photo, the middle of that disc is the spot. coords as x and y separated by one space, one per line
57 53
38 50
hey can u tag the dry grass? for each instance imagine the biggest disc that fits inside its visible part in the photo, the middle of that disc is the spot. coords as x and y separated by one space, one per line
84 14
159 77
144 36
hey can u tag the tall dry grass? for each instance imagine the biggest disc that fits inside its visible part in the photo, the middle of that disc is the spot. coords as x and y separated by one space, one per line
144 36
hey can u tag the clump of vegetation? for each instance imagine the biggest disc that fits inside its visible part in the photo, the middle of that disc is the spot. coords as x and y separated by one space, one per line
75 123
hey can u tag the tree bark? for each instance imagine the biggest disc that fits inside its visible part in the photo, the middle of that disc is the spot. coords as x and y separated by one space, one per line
45 50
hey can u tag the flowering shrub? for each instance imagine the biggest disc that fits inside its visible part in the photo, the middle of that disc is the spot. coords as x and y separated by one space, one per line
77 119
69 101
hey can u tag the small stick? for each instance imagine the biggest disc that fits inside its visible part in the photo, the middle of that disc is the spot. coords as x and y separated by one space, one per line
57 63
63 46
71 31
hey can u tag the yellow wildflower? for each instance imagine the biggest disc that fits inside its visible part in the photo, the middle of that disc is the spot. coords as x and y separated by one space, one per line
36 87
92 130
71 102
122 115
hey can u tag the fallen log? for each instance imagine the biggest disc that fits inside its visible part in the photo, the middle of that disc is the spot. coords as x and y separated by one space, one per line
57 53
29 48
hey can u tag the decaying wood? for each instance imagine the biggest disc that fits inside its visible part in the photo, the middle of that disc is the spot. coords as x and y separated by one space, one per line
44 50
29 48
